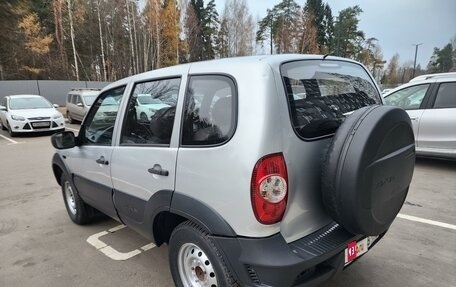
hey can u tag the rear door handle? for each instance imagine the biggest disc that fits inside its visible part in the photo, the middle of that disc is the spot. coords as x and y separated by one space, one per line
414 118
157 169
102 160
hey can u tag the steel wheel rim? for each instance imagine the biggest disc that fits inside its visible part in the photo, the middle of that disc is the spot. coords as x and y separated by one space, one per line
69 197
195 268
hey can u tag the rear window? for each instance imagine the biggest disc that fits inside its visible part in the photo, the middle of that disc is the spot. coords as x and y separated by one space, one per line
321 94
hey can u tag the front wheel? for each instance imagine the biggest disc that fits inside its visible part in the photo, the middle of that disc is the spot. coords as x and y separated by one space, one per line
10 131
3 126
79 212
195 260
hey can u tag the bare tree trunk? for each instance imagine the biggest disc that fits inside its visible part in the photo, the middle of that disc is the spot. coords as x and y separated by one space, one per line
130 34
70 15
135 38
157 31
103 60
57 8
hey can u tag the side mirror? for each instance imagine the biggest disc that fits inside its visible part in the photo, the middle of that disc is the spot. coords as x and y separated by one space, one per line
63 140
79 105
56 106
3 108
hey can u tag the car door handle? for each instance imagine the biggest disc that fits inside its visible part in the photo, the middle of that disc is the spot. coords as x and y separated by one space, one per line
102 160
414 118
157 169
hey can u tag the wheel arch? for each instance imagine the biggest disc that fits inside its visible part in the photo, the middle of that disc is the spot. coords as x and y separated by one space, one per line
58 167
183 208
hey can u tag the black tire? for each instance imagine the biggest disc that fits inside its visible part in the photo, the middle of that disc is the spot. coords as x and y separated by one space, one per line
3 126
208 262
79 212
10 131
368 169
70 119
143 118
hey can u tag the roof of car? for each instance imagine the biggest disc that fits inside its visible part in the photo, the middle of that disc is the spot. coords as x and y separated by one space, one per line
218 64
424 80
25 96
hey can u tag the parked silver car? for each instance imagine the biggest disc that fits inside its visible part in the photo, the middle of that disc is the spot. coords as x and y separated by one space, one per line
261 171
430 102
78 102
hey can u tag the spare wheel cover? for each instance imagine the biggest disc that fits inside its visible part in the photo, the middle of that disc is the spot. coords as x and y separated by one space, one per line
368 169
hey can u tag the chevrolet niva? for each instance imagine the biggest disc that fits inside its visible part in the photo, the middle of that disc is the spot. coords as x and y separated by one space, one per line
258 171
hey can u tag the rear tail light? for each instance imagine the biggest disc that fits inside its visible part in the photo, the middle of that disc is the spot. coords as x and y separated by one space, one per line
269 189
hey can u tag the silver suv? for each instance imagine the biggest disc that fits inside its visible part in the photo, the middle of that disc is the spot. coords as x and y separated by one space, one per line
78 102
258 171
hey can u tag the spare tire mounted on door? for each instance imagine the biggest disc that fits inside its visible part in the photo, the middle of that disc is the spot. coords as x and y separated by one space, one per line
368 169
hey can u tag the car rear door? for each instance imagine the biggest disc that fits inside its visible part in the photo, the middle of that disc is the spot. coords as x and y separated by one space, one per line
144 163
90 161
438 122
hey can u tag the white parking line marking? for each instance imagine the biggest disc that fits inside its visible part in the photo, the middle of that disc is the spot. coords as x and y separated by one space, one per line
8 139
427 221
71 129
112 253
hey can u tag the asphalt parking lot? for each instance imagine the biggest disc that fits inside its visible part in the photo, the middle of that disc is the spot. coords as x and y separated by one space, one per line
40 246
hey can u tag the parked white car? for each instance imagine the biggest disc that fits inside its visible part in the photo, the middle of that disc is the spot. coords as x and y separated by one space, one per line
430 102
147 106
29 113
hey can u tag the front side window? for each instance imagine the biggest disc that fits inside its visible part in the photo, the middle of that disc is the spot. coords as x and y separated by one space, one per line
446 96
322 93
409 98
209 115
99 123
150 114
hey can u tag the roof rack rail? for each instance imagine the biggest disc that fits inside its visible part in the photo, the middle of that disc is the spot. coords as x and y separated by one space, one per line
434 76
85 89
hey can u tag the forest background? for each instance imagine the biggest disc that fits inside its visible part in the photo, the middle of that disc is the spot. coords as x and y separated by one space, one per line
106 40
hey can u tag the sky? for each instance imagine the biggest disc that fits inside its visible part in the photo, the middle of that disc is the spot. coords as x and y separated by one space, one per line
397 24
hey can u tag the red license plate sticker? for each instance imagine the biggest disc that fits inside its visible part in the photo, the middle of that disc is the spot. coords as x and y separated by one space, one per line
351 251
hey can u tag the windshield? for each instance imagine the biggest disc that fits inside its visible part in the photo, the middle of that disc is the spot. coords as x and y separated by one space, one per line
23 103
322 93
89 100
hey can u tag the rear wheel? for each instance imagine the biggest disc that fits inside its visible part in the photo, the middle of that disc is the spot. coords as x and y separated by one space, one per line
79 212
195 260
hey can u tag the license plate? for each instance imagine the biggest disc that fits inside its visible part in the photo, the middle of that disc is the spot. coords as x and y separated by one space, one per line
358 248
41 125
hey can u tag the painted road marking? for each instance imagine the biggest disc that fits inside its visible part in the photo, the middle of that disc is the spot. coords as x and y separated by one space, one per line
71 129
427 221
10 140
112 253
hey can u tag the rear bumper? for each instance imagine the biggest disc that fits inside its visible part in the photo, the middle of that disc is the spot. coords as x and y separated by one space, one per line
271 261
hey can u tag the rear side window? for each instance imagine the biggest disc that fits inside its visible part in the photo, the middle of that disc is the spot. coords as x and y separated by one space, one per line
446 96
322 93
210 113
